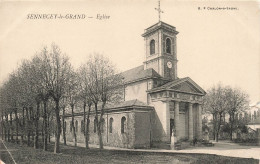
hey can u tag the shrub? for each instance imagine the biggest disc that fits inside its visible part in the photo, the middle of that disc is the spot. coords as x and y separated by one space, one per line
184 139
248 140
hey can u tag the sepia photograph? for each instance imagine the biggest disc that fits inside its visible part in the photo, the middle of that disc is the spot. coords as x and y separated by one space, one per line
128 81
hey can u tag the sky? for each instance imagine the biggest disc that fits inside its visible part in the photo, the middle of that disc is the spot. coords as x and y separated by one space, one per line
213 46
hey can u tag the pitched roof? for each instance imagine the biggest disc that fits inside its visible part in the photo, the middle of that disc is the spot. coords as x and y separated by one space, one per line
128 103
170 83
138 73
120 106
177 82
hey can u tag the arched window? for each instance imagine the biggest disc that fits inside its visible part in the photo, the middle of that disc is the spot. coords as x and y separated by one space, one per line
65 126
70 126
168 45
95 125
102 125
123 124
111 120
76 126
152 47
82 129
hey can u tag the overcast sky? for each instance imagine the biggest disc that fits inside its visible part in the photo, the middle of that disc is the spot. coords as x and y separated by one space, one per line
212 45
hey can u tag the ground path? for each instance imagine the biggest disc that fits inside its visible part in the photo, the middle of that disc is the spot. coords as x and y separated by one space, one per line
11 152
224 148
5 154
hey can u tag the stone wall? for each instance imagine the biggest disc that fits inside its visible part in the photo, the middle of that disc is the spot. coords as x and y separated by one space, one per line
258 135
157 38
142 129
136 132
183 125
136 90
159 122
116 138
195 120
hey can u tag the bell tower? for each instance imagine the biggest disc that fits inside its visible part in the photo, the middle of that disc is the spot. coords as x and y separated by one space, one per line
160 49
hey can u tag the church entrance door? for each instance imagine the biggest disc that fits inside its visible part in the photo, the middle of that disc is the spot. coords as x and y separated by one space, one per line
171 126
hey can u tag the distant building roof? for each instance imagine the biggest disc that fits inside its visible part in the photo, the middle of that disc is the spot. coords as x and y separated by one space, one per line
255 104
255 121
138 73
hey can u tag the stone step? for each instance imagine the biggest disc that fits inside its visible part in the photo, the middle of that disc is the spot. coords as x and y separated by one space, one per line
166 146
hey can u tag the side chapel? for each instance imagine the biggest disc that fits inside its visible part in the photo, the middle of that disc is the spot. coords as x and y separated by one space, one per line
157 102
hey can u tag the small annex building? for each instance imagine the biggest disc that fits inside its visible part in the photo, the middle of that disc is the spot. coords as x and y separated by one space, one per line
157 103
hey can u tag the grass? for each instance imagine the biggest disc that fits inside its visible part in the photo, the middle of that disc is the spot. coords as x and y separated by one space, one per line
70 154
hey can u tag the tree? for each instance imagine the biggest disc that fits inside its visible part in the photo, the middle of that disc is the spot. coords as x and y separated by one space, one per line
26 97
56 73
4 111
104 86
3 127
42 64
28 93
12 95
63 107
85 98
224 99
72 94
237 102
215 103
36 81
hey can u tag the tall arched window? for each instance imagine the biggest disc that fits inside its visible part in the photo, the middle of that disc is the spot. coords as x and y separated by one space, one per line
168 45
111 120
82 129
70 126
88 122
123 124
95 125
102 125
152 47
76 126
65 126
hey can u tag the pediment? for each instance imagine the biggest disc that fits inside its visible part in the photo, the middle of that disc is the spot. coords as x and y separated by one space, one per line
187 86
183 85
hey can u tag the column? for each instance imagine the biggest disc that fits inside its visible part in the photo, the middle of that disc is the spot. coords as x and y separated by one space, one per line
199 122
176 119
167 121
190 122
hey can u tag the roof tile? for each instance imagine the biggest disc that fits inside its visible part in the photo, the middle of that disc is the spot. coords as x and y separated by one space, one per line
139 73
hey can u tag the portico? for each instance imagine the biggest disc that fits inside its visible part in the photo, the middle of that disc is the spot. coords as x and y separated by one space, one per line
182 113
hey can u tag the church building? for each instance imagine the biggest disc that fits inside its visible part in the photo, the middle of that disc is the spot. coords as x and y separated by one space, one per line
157 103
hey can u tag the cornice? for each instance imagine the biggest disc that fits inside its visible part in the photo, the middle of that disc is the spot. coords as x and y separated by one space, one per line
171 57
130 108
157 27
174 90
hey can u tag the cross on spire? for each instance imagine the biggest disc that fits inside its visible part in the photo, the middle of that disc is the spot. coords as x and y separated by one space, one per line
159 10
